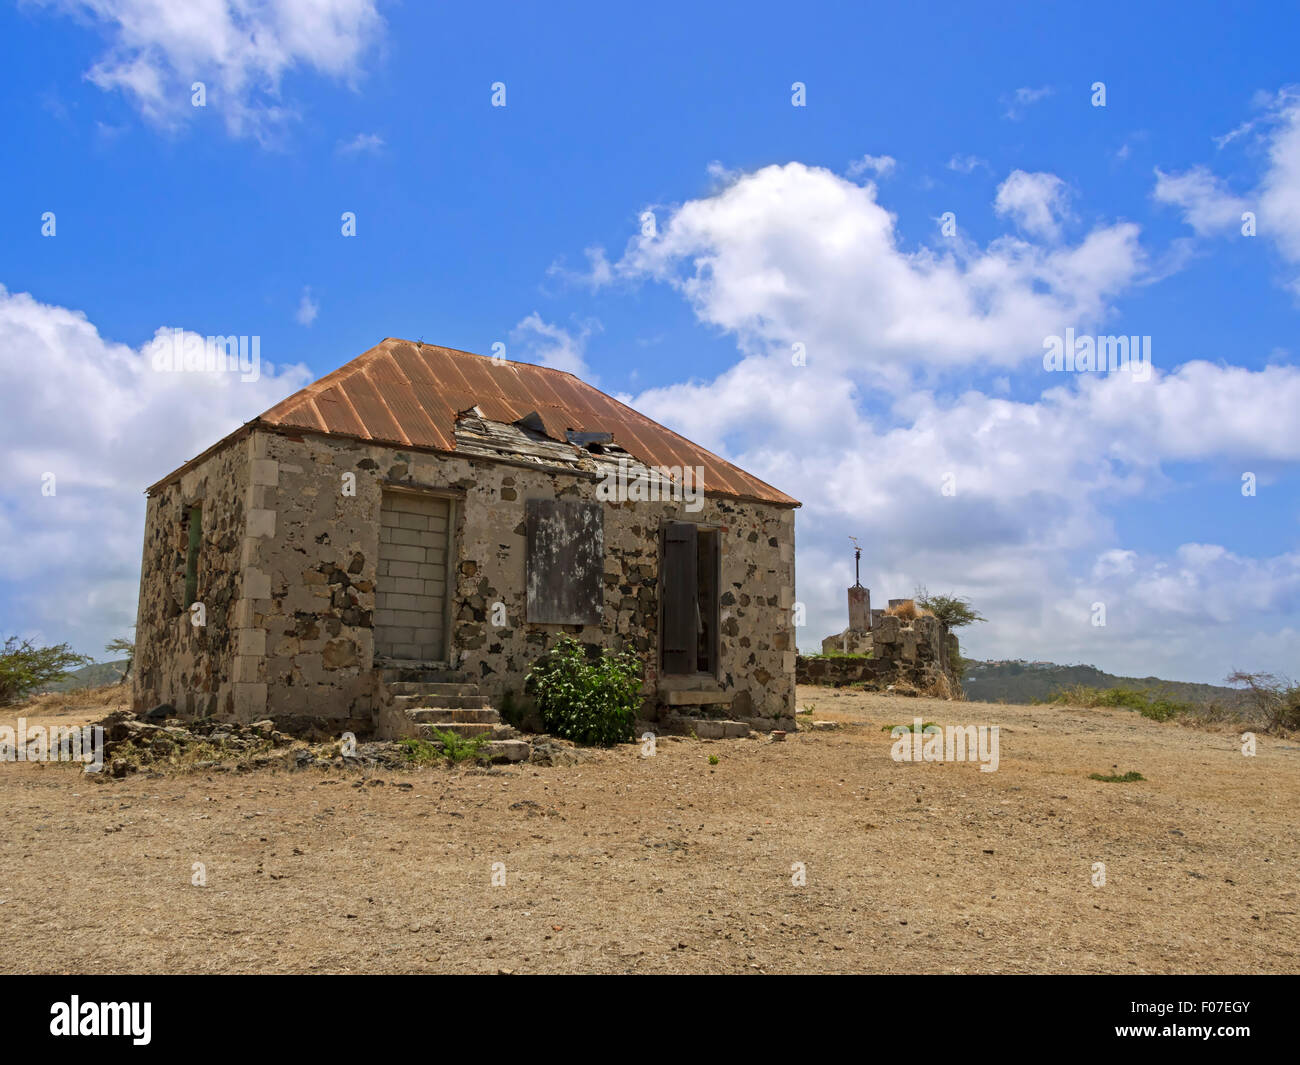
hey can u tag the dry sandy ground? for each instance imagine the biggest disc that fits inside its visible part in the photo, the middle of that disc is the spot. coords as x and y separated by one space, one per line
668 864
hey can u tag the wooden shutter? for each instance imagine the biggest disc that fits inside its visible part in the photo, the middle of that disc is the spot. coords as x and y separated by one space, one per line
678 577
566 561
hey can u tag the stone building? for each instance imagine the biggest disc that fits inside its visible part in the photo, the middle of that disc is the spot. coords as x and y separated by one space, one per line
404 537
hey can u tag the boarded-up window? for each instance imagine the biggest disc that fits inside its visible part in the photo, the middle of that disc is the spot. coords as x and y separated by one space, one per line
566 561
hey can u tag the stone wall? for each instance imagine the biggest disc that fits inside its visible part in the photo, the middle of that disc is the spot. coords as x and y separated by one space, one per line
919 653
849 642
839 670
176 662
304 630
918 650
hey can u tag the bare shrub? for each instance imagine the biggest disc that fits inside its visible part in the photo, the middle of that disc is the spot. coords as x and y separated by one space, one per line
1276 700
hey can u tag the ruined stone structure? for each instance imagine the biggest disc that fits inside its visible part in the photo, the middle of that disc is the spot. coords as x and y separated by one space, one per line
887 649
407 535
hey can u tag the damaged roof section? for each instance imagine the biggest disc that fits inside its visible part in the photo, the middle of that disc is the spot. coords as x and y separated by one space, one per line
419 396
522 445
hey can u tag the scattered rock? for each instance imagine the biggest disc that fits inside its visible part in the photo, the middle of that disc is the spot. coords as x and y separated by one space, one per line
553 752
507 750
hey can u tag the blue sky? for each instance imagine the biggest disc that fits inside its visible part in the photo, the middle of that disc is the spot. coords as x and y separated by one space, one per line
775 225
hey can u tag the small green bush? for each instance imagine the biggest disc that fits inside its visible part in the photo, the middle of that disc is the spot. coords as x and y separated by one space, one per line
1158 706
447 745
952 610
587 700
1108 778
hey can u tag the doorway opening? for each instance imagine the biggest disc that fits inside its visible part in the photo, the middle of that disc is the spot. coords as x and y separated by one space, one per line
690 571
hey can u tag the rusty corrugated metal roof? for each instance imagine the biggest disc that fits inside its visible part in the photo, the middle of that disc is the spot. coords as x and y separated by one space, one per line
406 394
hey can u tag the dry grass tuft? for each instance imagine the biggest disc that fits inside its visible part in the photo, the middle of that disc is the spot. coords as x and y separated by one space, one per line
51 703
939 685
908 611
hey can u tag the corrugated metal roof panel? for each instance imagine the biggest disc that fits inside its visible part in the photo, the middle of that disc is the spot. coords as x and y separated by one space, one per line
408 394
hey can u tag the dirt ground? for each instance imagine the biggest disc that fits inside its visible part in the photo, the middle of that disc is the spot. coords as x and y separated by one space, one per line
669 864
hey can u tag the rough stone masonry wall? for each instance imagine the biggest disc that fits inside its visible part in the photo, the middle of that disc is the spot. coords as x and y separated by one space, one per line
921 643
311 573
839 671
920 653
192 668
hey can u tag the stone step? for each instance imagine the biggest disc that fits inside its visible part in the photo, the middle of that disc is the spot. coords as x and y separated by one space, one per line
415 687
432 715
507 750
450 702
706 728
423 675
467 729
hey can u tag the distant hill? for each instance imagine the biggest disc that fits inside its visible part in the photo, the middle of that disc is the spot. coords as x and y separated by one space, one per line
91 676
1025 682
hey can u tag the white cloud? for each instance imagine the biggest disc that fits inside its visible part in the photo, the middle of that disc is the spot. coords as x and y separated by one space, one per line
1207 204
1210 208
361 144
798 254
966 164
1279 191
551 345
241 51
1022 99
1035 202
880 165
307 308
599 270
98 416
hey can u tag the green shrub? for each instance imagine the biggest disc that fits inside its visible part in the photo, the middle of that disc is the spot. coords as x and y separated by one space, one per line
24 667
1126 778
952 610
587 700
1156 705
445 744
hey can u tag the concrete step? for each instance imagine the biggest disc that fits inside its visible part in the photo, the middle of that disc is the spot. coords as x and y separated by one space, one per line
415 687
432 715
467 729
450 702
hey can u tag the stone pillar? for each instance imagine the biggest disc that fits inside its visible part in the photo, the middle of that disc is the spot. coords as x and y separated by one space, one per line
859 609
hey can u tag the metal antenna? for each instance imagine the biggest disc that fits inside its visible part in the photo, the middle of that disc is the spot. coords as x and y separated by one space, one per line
857 562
